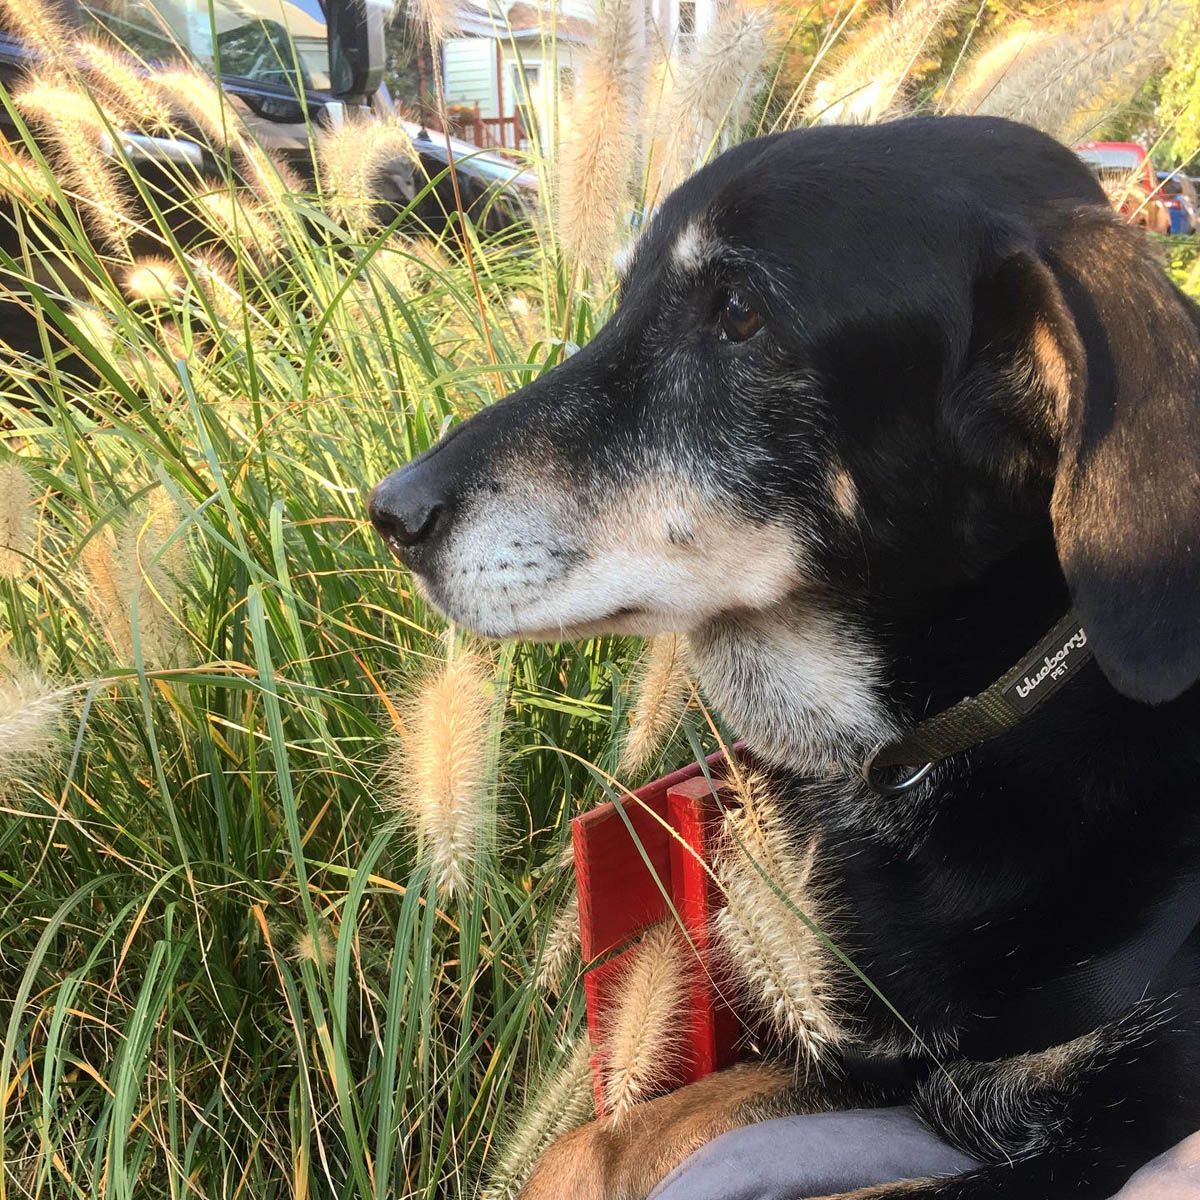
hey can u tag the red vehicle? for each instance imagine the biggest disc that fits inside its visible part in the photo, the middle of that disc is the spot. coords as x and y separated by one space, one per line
1127 176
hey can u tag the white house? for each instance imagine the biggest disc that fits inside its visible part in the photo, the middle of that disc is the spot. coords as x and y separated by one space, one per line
507 59
527 58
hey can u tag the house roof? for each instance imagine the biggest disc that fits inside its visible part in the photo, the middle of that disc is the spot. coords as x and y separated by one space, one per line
489 20
522 16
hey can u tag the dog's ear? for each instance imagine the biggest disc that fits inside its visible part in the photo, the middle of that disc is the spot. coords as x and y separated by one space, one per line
1115 348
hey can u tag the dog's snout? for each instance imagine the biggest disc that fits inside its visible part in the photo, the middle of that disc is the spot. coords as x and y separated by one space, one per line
410 510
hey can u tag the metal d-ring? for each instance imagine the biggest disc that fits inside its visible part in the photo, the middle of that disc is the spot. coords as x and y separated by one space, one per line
899 786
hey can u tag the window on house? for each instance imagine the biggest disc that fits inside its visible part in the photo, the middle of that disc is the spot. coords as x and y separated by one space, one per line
687 24
533 72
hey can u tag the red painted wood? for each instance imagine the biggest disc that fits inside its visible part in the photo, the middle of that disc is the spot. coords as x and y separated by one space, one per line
618 896
674 818
713 1029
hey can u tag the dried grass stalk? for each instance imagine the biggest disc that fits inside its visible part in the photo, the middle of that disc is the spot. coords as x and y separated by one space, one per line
661 690
865 86
439 773
40 24
16 520
594 178
80 145
710 91
561 1103
644 1043
124 85
353 159
32 720
133 584
783 966
562 945
1068 84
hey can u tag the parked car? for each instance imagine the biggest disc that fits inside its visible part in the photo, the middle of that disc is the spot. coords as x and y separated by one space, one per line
1128 178
1179 196
497 192
337 62
284 81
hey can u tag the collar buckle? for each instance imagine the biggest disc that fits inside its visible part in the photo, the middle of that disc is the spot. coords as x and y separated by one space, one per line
894 787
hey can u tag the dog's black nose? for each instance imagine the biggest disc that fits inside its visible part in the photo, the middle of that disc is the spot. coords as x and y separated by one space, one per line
409 510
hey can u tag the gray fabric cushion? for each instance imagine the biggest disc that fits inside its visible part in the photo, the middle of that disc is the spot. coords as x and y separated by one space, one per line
1171 1176
813 1156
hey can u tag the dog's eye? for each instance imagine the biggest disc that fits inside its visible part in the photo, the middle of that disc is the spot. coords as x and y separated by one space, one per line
739 322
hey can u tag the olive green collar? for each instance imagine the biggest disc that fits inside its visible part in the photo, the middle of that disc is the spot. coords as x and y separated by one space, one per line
1017 693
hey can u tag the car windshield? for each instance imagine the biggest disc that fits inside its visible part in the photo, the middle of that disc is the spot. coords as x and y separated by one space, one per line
267 41
1111 156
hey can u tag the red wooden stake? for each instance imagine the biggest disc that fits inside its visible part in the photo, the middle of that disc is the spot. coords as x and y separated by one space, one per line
695 813
627 883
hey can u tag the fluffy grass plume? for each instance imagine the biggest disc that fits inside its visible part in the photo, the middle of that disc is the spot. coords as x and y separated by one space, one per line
710 90
597 155
644 1042
562 1102
440 770
352 160
38 23
16 520
79 135
21 179
157 281
865 85
32 717
239 222
561 945
218 285
1068 84
125 86
200 100
319 950
782 966
127 570
438 18
661 689
269 177
984 71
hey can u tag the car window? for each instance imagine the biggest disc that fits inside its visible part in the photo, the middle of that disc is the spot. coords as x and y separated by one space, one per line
253 39
1110 156
1172 185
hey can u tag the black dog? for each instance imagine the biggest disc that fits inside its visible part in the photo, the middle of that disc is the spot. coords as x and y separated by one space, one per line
878 408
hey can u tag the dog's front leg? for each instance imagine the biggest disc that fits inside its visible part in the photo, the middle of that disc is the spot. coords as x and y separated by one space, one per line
624 1160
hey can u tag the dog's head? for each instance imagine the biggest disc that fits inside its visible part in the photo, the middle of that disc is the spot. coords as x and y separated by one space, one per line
839 353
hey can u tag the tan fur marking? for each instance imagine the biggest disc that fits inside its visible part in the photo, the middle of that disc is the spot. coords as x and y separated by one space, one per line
844 492
601 1161
682 539
1054 370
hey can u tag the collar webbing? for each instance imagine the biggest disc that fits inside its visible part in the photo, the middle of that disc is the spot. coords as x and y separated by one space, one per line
1013 696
